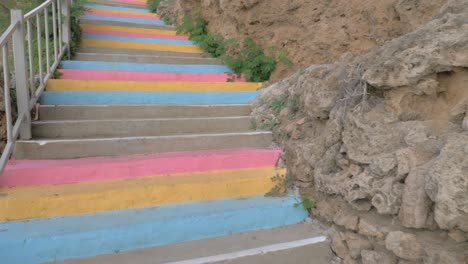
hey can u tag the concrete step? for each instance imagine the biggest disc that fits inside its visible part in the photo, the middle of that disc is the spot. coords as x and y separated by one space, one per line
30 202
108 22
144 67
138 127
119 112
153 86
145 59
140 45
139 52
300 243
131 31
56 172
80 148
139 97
116 4
120 37
88 235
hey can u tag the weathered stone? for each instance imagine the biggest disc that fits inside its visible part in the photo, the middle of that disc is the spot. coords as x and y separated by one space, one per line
404 261
347 220
444 256
447 184
356 243
416 204
368 228
377 257
458 236
465 123
338 244
387 197
404 245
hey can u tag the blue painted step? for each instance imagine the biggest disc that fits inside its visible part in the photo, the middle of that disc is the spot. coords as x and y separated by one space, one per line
108 7
133 39
44 240
112 98
144 67
123 19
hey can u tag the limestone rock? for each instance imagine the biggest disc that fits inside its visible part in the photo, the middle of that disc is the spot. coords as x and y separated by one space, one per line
404 245
416 204
346 219
377 257
398 65
356 243
338 244
465 122
447 184
444 256
368 228
458 235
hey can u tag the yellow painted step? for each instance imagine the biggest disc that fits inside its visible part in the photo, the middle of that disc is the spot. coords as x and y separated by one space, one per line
140 45
129 29
143 86
46 201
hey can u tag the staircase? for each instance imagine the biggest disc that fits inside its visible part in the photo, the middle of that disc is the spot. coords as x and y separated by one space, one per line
142 152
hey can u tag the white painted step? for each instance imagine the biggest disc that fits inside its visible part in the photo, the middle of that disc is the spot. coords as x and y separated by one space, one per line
116 112
80 148
62 129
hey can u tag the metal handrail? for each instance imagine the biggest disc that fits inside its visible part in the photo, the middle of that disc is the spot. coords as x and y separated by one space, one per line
29 85
8 33
38 9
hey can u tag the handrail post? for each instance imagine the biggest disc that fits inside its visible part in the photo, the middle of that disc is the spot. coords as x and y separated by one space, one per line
21 74
66 33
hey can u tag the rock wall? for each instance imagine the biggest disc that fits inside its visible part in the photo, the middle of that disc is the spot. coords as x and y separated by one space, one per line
380 141
312 31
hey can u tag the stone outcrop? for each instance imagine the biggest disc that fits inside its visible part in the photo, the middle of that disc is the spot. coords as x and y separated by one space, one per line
380 140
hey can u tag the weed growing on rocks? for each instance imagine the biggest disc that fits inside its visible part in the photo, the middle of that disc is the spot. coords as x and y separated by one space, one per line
269 124
279 103
306 203
283 184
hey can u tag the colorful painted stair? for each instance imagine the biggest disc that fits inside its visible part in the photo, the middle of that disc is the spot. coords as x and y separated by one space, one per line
144 142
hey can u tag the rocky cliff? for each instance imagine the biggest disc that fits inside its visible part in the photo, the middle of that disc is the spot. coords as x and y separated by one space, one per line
380 141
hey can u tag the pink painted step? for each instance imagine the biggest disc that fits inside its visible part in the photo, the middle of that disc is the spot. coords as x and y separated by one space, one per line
71 74
107 14
49 172
132 34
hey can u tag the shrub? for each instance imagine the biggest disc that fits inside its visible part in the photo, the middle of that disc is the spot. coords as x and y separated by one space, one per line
251 61
153 5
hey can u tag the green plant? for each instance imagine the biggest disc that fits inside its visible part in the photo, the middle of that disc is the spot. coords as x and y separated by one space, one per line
250 60
307 203
283 184
279 103
293 107
253 124
77 9
153 5
253 62
269 124
194 26
167 20
211 43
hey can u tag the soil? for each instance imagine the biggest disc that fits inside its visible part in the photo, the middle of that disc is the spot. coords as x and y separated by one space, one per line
311 31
